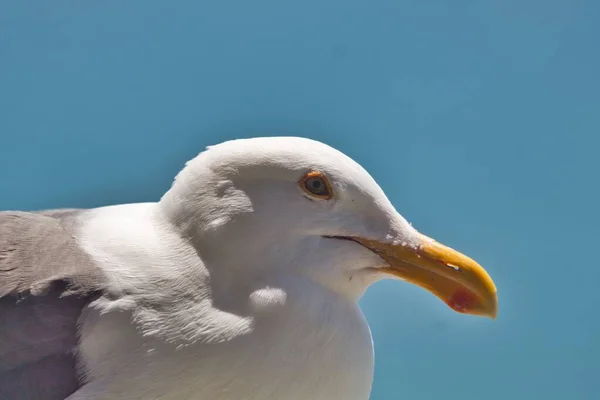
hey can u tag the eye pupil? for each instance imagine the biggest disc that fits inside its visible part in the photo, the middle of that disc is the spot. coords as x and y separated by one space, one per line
317 186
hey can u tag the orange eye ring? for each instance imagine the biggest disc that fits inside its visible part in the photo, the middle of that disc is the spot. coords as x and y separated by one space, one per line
315 184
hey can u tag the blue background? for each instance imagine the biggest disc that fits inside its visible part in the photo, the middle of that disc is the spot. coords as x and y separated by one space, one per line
480 120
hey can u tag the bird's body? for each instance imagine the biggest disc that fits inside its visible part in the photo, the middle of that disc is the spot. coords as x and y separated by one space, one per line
163 354
224 290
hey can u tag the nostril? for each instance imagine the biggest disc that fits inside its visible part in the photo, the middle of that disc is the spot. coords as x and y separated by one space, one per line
454 267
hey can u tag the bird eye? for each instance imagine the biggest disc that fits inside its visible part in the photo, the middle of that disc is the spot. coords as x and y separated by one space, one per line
316 185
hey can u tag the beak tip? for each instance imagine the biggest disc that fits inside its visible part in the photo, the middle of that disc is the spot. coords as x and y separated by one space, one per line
465 301
490 307
494 309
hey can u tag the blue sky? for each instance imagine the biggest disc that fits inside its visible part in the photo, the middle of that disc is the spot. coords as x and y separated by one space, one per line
479 119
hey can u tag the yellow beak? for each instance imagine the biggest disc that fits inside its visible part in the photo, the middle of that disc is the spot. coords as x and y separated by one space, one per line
453 277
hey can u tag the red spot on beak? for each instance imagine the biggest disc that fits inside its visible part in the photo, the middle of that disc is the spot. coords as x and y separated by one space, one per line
462 300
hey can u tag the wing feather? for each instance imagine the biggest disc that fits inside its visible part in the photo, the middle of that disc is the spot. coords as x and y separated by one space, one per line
46 280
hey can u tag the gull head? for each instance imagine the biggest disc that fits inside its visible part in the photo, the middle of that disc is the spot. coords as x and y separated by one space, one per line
299 208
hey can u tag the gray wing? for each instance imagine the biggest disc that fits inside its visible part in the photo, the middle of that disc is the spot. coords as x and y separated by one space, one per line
45 282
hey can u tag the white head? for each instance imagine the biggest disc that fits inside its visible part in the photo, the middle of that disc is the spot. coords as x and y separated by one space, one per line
299 206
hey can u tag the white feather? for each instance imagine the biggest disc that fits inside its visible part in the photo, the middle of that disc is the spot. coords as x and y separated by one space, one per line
227 290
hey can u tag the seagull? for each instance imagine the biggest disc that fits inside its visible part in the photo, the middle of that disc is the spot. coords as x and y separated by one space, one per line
241 283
